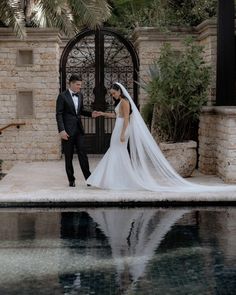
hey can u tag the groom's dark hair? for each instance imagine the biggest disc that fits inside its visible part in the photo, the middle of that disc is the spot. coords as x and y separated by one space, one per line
75 77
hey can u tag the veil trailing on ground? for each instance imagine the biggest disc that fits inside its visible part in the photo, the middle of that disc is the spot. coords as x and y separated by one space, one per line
151 167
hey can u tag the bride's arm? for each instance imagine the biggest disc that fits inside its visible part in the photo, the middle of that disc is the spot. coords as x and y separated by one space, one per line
125 110
107 115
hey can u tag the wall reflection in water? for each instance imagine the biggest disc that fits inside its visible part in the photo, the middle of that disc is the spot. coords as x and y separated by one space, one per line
118 251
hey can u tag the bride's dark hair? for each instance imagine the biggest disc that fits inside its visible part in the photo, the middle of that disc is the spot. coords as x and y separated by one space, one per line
117 88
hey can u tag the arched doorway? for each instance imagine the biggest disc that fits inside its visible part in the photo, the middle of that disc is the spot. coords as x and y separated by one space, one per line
102 57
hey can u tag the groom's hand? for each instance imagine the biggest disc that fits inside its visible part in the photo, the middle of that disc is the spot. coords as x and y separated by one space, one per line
94 114
64 135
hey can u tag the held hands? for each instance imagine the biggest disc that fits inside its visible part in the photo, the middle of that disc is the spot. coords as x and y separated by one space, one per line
64 135
96 114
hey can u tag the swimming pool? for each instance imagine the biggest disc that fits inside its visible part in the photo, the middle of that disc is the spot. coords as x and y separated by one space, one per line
118 251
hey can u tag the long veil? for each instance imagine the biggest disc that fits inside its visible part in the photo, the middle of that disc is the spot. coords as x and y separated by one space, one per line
151 168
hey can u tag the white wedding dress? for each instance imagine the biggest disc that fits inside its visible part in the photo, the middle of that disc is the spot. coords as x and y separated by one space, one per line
115 171
145 168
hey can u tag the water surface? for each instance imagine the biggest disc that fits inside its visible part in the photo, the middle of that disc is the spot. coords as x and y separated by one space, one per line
118 251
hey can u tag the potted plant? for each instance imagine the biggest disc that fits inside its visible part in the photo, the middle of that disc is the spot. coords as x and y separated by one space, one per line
177 91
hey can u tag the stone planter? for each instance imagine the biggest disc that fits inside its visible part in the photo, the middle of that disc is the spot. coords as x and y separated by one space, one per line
181 155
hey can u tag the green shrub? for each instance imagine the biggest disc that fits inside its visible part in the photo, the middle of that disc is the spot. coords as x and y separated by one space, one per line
178 87
129 14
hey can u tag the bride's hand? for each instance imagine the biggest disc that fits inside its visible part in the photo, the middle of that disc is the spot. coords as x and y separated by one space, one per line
100 113
96 114
122 138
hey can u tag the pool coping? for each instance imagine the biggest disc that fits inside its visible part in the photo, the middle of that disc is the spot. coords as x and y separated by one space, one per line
48 188
119 204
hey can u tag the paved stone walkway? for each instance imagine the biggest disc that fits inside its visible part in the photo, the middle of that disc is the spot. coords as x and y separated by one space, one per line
46 182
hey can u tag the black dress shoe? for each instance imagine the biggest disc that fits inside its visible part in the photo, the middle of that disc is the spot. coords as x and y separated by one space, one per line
88 184
72 183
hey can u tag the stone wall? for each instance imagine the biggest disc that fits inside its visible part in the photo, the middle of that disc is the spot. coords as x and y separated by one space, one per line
148 42
29 83
207 37
207 142
217 132
217 142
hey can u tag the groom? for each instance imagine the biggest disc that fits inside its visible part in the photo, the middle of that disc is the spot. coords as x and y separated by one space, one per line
69 109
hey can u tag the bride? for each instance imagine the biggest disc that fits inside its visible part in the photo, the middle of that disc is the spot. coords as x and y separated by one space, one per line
145 168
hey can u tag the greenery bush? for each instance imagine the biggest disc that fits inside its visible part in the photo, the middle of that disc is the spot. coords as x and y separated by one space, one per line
178 87
129 14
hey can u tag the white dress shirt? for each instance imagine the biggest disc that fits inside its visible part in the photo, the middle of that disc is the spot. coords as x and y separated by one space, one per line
75 100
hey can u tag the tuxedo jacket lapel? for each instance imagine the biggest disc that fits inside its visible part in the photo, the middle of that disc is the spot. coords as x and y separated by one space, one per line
79 103
70 100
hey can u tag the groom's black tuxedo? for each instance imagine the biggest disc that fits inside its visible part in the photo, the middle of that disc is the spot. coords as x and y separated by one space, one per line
69 119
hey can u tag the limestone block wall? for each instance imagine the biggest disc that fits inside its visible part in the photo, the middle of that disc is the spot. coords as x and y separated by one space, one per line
148 42
207 37
217 136
217 142
207 142
29 83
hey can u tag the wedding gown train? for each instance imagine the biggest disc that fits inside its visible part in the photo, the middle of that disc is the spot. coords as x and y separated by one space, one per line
145 168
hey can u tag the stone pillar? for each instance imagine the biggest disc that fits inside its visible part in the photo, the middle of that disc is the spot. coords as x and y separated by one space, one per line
217 145
217 142
29 83
207 142
207 37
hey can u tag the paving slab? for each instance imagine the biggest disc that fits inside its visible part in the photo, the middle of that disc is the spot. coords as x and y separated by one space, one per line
45 183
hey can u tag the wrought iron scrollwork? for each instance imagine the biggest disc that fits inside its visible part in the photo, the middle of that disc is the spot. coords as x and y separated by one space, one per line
118 66
81 60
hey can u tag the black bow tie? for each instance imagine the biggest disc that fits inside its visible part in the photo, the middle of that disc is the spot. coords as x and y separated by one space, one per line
75 94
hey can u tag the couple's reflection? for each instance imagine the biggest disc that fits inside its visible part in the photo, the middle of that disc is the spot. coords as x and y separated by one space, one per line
132 234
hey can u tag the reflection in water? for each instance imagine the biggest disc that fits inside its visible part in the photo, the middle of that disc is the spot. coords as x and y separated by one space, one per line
133 236
118 251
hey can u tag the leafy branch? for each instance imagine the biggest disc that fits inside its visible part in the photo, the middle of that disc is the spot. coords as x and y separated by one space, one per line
178 90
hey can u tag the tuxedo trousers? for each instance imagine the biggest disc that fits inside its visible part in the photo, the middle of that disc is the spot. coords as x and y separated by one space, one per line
75 141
